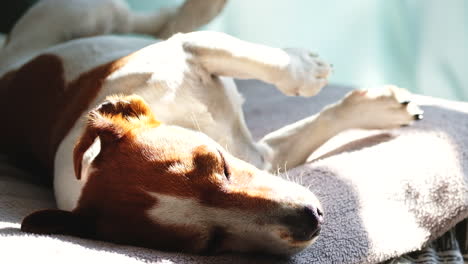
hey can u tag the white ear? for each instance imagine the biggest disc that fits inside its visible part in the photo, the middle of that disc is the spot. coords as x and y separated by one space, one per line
88 157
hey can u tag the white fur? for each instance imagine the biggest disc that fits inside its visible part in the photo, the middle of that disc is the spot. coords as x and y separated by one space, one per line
88 158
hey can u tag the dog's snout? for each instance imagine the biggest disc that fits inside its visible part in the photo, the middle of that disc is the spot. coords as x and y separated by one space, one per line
314 213
305 223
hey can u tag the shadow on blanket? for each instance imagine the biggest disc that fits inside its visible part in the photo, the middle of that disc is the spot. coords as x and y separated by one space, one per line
357 145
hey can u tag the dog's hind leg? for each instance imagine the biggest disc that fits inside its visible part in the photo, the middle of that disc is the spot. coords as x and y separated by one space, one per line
52 22
384 108
191 15
165 22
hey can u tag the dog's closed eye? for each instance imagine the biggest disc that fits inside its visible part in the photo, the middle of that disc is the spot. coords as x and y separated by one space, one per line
226 169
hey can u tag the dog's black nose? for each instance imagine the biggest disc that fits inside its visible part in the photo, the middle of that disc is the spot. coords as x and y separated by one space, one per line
305 223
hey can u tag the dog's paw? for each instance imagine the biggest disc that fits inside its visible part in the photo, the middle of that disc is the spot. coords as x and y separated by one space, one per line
381 108
305 74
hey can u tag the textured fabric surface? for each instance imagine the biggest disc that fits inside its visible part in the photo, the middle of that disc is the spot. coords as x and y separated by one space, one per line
385 193
452 248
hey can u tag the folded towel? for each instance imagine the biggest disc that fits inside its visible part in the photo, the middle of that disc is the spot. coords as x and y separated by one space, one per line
385 193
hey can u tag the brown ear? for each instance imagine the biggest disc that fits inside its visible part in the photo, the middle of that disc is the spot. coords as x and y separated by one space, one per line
57 222
110 121
126 106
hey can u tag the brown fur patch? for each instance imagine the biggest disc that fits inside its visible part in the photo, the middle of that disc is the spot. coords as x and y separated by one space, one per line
39 108
115 199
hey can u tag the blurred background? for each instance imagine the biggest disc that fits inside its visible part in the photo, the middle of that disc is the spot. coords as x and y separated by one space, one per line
418 44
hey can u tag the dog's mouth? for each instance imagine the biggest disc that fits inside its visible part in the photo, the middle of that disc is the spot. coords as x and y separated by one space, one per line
215 241
305 236
299 239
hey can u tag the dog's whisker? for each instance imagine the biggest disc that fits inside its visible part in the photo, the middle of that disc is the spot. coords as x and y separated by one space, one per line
277 173
226 147
285 175
301 178
195 121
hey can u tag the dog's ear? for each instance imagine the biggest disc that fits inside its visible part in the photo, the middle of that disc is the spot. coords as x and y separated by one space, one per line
109 122
118 115
57 222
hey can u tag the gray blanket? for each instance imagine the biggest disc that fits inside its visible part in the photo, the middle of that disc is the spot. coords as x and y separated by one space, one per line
451 248
385 193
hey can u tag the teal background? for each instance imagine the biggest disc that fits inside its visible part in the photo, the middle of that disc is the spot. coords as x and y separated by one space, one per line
417 44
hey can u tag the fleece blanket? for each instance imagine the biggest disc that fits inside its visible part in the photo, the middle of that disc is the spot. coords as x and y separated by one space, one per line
384 193
452 247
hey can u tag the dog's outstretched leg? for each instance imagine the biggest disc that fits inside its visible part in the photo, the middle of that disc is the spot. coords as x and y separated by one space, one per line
293 71
384 108
51 22
191 15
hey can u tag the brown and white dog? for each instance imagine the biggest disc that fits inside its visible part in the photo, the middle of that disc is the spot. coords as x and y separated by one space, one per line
146 140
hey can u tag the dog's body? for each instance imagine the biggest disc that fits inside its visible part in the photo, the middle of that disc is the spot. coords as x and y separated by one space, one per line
53 78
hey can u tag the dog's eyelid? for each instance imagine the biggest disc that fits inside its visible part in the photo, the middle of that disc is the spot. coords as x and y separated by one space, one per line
226 170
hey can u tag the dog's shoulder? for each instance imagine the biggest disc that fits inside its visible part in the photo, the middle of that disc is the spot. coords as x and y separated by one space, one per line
41 104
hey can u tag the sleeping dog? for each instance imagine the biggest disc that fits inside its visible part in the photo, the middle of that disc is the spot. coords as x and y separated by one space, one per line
146 139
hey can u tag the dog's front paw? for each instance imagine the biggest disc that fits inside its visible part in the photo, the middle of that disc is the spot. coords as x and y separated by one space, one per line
380 108
304 75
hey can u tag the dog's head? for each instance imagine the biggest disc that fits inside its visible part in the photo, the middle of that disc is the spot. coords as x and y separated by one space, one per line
167 187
